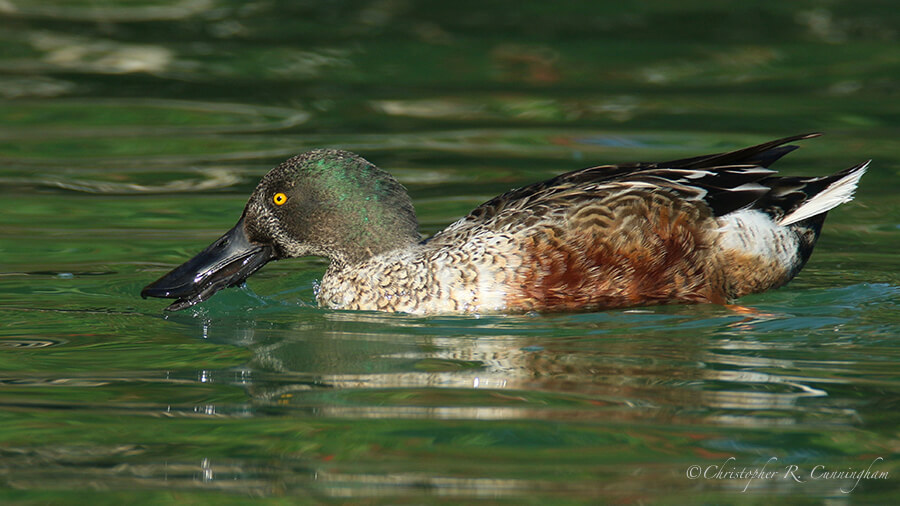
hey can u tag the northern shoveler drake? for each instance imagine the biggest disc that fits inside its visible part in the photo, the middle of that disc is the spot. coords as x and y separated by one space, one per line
706 229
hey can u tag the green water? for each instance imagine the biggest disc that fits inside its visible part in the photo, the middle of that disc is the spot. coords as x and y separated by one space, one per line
131 134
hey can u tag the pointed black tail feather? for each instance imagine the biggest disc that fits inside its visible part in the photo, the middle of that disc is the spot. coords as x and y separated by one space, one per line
763 154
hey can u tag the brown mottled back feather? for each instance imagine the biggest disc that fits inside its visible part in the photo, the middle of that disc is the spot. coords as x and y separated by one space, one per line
724 182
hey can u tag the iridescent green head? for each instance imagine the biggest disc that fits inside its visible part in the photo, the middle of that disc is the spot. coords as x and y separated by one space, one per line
330 203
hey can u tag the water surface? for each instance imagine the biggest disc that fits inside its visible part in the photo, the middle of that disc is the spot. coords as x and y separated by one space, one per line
131 134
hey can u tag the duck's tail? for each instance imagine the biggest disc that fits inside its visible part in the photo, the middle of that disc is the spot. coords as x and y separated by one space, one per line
767 244
824 194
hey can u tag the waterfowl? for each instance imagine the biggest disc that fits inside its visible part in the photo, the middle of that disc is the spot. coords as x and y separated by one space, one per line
707 229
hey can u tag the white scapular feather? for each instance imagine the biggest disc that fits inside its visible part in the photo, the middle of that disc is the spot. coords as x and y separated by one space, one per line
836 194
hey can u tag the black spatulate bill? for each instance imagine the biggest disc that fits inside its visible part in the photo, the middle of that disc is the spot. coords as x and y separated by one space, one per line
227 262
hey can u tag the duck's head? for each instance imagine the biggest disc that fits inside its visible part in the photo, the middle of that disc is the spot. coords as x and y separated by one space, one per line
326 203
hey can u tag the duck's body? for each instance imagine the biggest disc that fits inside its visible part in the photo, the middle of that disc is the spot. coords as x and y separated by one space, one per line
705 229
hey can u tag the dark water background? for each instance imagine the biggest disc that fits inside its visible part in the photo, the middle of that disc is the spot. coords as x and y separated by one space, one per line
132 132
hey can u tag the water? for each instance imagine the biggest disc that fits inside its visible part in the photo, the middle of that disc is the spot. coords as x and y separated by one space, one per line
131 134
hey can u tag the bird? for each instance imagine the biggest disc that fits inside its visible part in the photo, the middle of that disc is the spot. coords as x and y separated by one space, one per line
707 229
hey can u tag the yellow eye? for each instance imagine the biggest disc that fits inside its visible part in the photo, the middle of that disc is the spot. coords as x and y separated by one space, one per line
279 198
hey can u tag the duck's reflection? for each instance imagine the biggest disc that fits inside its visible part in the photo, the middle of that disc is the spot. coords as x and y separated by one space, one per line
350 405
362 365
406 371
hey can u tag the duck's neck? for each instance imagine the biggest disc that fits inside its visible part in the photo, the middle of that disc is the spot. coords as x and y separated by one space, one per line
356 225
361 244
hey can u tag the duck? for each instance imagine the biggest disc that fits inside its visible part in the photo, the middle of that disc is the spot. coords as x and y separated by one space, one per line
707 229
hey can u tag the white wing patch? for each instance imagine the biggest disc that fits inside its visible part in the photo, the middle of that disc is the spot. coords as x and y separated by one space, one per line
836 194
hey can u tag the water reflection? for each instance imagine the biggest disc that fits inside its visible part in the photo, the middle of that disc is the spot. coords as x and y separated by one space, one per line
99 55
413 376
349 401
374 366
106 12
